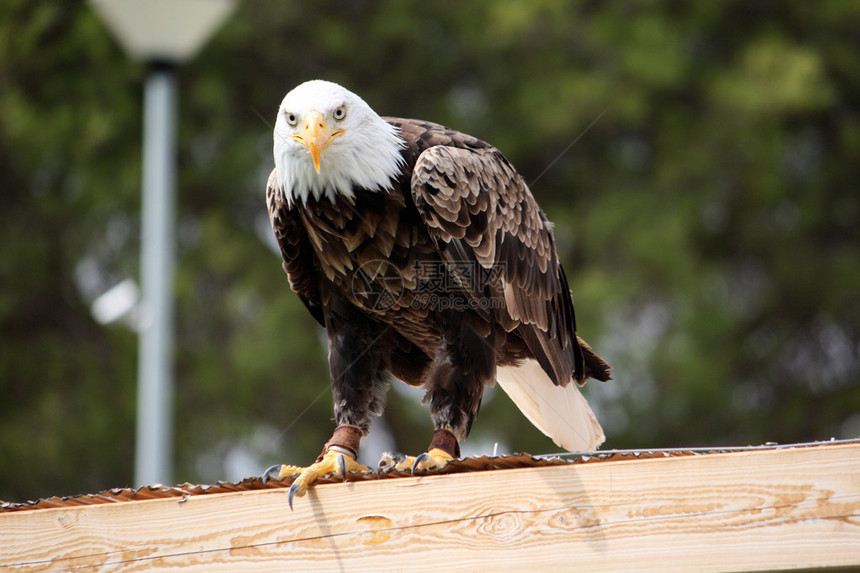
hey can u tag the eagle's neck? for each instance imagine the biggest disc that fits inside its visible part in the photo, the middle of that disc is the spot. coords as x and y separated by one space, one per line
367 159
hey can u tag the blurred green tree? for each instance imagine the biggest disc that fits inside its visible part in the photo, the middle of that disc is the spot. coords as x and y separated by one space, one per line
709 219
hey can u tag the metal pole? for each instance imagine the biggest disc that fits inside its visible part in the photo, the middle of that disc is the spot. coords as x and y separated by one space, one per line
153 453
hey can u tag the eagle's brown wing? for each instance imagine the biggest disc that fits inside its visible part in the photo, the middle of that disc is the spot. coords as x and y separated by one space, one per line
479 210
296 250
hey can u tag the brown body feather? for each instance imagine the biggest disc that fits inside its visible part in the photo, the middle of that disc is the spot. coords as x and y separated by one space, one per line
439 280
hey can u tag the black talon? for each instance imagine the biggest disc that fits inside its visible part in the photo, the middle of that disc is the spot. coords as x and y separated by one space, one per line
267 474
418 460
293 489
341 465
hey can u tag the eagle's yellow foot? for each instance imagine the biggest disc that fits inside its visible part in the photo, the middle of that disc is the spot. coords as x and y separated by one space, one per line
432 459
333 462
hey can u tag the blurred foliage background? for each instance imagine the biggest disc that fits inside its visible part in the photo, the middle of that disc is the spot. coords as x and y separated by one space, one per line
709 220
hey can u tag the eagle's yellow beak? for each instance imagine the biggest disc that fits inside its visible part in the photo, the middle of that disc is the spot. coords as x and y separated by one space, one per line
316 136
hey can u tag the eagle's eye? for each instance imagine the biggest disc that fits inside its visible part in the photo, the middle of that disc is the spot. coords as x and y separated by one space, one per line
291 118
340 113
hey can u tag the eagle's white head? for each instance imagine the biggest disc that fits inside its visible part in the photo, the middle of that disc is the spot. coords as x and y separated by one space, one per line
328 141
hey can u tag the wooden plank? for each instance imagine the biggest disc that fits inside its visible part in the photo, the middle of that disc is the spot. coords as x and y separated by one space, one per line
776 509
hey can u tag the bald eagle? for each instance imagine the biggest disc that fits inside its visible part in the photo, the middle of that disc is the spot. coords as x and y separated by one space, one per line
424 255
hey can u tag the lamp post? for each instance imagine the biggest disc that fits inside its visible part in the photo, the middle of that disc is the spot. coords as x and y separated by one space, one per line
163 34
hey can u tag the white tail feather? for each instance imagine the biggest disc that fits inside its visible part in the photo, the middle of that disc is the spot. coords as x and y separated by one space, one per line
560 412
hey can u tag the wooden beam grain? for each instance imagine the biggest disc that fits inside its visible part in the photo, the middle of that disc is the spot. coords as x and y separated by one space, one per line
757 510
